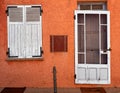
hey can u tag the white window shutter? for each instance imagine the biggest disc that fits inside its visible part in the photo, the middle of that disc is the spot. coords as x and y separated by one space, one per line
24 31
15 26
33 31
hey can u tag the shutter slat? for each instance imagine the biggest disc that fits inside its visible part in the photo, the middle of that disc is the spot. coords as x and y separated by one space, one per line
34 39
16 39
23 42
28 39
38 40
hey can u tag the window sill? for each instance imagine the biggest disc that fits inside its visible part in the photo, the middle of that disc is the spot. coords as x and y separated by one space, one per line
25 59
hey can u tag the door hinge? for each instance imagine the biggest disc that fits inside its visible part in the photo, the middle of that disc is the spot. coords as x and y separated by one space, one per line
74 17
75 76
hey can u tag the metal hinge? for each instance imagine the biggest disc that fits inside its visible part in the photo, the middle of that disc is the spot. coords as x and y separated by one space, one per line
8 53
75 76
7 11
41 52
74 17
41 11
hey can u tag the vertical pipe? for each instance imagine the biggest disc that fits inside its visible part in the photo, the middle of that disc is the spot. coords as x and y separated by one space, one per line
54 80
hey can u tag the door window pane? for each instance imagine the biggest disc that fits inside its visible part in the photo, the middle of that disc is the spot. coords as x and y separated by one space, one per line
80 58
103 19
80 18
92 39
104 59
80 38
104 38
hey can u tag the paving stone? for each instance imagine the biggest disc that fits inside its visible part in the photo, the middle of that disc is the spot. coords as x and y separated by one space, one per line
38 90
112 90
69 90
1 89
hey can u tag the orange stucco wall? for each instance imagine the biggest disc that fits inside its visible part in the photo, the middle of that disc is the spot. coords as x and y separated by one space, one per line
57 19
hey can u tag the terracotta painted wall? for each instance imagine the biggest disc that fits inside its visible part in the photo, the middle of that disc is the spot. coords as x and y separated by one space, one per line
57 19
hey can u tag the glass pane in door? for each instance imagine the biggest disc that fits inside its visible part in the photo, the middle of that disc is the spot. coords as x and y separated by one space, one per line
104 38
80 58
103 18
80 38
92 39
80 18
104 59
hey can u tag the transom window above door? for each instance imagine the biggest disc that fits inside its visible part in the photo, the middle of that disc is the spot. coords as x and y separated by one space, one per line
24 31
92 6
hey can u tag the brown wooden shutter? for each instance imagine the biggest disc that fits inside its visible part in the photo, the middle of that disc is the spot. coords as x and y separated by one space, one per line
58 43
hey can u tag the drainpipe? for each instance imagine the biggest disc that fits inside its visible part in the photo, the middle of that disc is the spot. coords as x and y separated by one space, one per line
54 79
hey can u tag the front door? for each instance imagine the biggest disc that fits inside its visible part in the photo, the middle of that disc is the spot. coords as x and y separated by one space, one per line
92 47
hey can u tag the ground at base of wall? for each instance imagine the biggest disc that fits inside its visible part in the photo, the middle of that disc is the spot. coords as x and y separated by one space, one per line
60 90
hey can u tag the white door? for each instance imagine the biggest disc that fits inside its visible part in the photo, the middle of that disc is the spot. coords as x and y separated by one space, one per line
92 47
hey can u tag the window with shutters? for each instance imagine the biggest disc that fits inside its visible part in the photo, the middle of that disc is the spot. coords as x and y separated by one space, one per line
24 31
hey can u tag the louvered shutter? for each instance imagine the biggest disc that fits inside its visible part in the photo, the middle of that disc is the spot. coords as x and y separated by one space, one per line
15 28
33 31
24 31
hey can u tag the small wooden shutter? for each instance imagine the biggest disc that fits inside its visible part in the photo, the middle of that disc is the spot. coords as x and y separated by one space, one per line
15 28
33 31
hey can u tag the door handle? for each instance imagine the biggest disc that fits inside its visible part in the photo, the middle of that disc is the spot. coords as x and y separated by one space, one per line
105 50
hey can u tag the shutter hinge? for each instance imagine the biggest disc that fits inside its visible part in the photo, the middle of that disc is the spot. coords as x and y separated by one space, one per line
74 17
75 76
41 52
7 11
41 11
8 53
